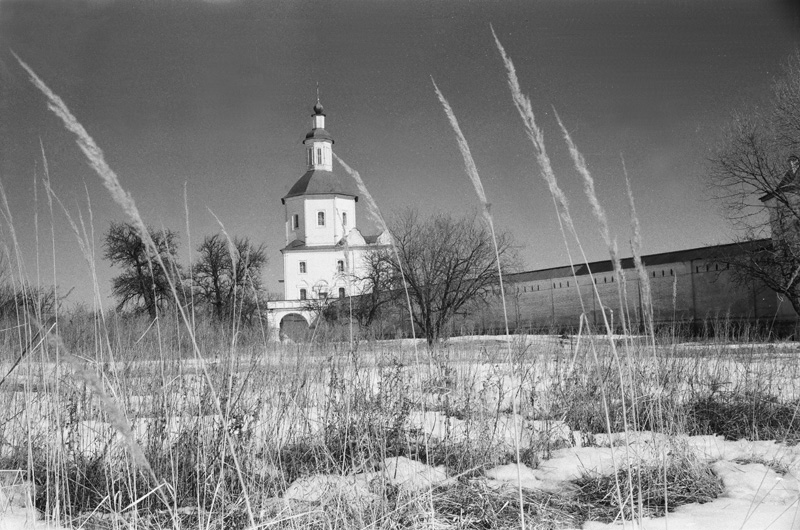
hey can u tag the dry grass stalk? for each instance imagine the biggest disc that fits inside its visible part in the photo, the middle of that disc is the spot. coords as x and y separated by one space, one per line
110 180
472 172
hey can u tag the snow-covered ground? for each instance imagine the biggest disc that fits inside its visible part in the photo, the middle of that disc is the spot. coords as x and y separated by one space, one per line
755 496
761 480
761 487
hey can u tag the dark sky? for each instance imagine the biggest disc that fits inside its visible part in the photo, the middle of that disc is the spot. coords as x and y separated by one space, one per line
217 96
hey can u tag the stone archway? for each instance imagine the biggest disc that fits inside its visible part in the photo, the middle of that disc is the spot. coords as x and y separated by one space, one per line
295 327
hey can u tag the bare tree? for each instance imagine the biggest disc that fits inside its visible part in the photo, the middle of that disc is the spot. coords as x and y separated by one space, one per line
758 187
228 275
447 263
378 287
40 302
144 283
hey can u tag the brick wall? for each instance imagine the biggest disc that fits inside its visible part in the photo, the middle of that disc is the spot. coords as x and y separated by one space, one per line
685 291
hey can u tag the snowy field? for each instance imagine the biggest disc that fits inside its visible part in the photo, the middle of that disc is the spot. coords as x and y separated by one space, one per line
495 426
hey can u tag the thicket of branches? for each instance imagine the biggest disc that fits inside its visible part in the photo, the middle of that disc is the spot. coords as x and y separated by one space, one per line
225 279
144 284
448 263
751 177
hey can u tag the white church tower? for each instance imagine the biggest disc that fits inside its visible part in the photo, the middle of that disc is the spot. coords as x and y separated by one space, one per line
324 252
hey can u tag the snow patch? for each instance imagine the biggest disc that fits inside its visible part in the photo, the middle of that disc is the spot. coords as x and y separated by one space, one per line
325 488
411 475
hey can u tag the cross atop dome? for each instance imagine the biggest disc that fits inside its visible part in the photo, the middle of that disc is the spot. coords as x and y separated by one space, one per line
318 131
318 106
319 178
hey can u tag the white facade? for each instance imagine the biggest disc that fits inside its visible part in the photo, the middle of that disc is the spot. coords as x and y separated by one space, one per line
326 271
303 221
324 256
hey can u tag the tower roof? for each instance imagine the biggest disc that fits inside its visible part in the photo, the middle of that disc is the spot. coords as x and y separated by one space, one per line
319 182
319 134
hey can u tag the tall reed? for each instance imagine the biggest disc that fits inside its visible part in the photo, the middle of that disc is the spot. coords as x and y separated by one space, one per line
110 180
472 173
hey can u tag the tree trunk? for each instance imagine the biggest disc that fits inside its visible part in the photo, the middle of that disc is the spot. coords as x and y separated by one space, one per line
147 291
794 299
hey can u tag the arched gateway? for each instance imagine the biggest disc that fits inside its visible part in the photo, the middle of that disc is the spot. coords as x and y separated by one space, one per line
289 319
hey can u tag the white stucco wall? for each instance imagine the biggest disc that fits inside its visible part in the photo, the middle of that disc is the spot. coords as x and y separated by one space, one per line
319 155
294 205
321 266
332 206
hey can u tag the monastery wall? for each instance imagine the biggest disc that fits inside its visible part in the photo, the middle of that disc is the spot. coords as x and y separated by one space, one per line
690 291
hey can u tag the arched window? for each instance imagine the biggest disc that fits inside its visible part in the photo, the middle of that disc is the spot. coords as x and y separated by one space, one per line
341 292
303 294
340 265
320 218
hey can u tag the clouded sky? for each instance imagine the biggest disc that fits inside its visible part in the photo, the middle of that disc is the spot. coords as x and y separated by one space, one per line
217 97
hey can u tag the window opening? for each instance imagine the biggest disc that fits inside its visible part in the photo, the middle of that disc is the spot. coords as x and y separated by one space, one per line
340 266
295 221
302 294
344 218
320 218
341 292
302 267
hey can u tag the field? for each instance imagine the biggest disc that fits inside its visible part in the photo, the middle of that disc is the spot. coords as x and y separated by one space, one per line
113 422
564 433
